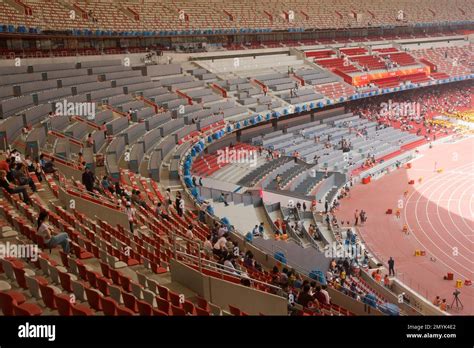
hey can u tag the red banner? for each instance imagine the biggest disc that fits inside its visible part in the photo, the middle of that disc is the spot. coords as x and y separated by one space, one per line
366 79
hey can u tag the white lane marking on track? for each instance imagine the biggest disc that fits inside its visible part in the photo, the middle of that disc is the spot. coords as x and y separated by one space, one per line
454 182
470 188
419 242
434 191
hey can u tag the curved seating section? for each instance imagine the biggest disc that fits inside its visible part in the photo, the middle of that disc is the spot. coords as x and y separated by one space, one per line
450 61
239 15
211 163
171 109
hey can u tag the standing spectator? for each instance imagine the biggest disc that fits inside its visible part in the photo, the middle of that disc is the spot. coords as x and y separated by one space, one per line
104 129
326 206
168 196
391 266
88 179
90 140
313 205
130 211
176 202
223 198
304 206
398 213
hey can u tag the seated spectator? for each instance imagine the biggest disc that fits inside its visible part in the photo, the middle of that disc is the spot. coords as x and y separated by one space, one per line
11 188
106 184
229 264
189 232
319 296
255 231
21 176
207 245
327 298
297 282
161 211
284 277
275 274
45 231
304 298
443 306
222 230
47 166
136 198
36 168
220 247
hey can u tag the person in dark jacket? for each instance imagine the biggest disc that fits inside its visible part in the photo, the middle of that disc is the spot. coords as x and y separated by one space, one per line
12 189
391 266
88 179
304 297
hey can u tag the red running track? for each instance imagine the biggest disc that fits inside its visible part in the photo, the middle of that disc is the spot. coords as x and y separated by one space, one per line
439 213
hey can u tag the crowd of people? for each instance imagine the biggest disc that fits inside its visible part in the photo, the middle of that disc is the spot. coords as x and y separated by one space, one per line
423 104
17 172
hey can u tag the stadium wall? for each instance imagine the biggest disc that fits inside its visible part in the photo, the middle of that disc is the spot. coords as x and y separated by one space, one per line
223 293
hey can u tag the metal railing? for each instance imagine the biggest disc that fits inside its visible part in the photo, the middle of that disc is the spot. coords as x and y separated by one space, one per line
204 264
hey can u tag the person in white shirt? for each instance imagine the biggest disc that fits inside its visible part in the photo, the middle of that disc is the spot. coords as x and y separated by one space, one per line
326 294
255 231
207 246
229 266
50 239
130 211
222 230
220 247
189 232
